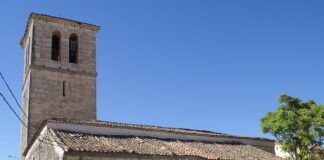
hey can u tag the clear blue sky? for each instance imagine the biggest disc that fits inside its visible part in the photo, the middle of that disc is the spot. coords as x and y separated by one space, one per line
213 65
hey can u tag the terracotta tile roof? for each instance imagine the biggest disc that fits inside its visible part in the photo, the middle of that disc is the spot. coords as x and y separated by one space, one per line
163 147
152 128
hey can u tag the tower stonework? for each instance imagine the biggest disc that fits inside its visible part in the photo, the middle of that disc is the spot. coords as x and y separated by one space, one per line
59 72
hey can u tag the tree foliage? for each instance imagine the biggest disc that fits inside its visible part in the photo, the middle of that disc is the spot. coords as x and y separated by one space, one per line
297 125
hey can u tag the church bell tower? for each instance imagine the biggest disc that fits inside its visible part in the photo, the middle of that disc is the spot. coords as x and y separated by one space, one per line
59 72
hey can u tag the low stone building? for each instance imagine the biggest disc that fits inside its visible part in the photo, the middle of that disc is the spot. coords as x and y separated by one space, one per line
59 104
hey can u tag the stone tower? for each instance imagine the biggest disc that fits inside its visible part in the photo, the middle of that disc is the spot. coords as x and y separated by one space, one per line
59 72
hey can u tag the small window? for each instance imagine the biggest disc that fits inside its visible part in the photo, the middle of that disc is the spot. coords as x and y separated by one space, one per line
56 46
63 89
73 48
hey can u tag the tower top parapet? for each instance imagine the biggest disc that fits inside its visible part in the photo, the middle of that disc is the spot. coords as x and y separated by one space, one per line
49 18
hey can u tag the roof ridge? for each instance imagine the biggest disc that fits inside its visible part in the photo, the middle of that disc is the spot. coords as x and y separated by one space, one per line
150 127
50 16
142 137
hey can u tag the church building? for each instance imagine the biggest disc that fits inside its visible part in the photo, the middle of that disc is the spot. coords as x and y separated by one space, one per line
59 99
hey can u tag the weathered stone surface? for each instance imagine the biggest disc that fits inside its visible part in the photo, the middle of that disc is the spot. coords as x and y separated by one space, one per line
57 88
44 149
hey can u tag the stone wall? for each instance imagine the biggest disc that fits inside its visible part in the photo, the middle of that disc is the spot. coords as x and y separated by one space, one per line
47 99
25 104
57 88
44 149
42 43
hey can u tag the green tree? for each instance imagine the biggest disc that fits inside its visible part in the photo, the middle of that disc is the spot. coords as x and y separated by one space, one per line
297 125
